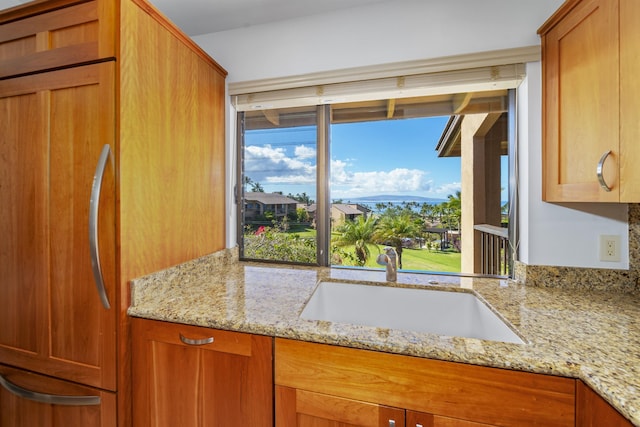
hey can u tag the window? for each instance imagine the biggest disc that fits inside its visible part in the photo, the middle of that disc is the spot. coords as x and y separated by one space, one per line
420 196
278 164
474 109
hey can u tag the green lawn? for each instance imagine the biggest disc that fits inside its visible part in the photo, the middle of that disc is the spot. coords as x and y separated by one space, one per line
412 259
420 259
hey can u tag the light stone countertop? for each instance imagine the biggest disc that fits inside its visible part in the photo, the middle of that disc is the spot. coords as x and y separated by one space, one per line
590 335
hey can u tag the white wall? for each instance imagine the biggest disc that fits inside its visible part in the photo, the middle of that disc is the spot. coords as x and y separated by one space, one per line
405 30
391 31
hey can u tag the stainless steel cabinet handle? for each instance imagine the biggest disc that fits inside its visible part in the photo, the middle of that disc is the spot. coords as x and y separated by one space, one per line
599 170
94 204
190 341
392 423
52 399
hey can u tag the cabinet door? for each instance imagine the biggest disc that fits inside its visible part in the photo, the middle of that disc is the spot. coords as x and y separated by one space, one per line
581 104
54 126
629 100
28 400
62 37
301 408
190 376
594 411
420 419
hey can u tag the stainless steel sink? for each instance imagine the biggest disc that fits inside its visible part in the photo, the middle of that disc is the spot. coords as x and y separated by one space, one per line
451 313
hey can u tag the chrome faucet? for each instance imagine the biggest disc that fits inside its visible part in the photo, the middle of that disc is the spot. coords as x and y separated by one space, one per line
389 260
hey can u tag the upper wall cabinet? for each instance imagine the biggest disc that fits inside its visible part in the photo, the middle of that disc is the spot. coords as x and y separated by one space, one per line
591 61
67 36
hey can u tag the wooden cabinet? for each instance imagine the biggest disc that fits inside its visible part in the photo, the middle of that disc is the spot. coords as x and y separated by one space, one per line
52 403
590 101
191 376
434 392
76 76
62 37
54 127
421 419
302 408
594 411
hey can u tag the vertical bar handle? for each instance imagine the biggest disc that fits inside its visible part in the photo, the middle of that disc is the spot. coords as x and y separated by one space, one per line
392 423
94 204
599 170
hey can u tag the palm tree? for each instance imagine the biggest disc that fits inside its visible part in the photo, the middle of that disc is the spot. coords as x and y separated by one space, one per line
454 208
392 229
358 233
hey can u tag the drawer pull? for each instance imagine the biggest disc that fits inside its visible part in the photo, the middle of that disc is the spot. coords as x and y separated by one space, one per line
53 399
191 341
599 170
392 423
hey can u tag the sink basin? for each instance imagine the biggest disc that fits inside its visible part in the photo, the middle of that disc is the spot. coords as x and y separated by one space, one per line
457 314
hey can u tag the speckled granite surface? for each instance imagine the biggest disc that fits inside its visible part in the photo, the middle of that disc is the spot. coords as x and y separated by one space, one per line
591 335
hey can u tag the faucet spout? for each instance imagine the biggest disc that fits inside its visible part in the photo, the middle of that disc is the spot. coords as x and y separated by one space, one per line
389 259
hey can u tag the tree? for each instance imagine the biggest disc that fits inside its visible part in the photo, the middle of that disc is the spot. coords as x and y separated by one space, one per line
301 197
392 229
358 233
453 210
256 187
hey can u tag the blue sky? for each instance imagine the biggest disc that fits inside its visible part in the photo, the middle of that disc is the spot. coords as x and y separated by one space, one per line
391 157
395 157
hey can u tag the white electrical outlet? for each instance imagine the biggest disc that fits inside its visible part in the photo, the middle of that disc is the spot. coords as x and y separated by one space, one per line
610 248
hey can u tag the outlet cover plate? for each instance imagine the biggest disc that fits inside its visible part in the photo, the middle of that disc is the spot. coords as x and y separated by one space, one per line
610 248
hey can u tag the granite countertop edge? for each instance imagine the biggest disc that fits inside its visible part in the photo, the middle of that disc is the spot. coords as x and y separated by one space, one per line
592 336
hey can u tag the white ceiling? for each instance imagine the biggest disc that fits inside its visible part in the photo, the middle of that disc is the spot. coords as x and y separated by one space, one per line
197 17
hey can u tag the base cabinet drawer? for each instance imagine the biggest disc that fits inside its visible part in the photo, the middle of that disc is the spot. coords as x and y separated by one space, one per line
302 408
29 400
190 376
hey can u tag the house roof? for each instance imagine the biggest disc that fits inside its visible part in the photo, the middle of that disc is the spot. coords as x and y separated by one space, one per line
347 209
450 143
269 198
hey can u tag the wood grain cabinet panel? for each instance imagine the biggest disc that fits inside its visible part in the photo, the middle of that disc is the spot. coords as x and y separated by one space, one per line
594 411
18 411
54 127
76 75
420 419
301 408
455 394
590 101
72 35
190 376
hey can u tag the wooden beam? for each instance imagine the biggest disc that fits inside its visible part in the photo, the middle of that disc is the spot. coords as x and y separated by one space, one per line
460 102
391 107
272 116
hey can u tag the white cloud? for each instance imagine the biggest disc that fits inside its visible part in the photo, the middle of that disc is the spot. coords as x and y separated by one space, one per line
305 152
268 164
447 189
275 165
396 181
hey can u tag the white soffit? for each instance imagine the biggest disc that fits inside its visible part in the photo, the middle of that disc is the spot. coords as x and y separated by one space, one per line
466 73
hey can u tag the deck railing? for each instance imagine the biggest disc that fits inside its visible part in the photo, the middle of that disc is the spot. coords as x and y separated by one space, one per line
495 252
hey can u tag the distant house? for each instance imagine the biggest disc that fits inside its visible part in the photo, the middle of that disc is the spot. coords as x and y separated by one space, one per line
258 203
341 212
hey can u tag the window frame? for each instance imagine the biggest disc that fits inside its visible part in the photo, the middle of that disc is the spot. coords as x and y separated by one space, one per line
280 95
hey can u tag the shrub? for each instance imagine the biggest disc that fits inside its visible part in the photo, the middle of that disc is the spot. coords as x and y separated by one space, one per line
272 243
